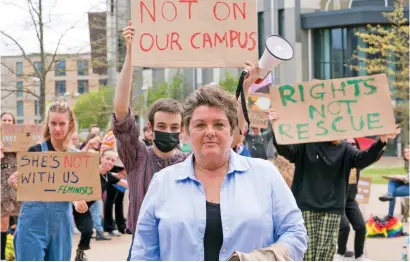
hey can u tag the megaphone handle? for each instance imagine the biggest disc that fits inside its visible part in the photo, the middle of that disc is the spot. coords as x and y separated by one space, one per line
239 92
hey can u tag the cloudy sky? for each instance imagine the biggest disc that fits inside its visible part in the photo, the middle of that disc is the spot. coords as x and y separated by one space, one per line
60 16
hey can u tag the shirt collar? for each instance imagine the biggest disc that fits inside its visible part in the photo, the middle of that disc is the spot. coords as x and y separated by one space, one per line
236 165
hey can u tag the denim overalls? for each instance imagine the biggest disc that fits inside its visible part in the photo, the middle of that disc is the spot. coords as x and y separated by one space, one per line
44 230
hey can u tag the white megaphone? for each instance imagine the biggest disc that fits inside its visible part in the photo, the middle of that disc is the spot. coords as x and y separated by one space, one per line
277 49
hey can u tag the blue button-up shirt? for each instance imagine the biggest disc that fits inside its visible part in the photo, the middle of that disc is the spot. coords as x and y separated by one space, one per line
257 210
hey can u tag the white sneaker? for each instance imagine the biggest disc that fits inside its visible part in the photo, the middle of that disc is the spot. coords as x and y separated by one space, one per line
338 257
362 258
115 233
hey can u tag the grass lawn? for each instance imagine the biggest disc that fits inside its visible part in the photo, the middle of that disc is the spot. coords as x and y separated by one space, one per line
376 173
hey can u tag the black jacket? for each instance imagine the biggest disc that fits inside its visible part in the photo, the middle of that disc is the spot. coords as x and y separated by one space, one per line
322 172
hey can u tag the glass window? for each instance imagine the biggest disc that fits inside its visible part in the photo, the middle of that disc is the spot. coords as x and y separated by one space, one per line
60 88
333 50
281 22
60 68
261 33
37 65
82 67
19 89
19 68
121 50
20 108
102 82
20 122
82 86
36 108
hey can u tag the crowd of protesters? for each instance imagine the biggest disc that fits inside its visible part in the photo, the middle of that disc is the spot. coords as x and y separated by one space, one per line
200 185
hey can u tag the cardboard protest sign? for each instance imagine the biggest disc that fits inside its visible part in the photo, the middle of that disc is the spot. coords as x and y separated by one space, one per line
363 190
17 138
194 33
286 169
258 106
327 110
56 176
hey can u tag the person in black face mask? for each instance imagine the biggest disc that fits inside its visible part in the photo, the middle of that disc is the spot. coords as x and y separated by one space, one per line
165 121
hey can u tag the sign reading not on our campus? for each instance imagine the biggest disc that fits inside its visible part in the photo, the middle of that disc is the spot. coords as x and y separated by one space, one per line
327 110
194 33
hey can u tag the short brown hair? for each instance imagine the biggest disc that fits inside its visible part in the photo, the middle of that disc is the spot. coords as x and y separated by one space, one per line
164 105
212 96
92 126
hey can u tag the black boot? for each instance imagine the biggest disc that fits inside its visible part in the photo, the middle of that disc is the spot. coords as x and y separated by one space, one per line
386 197
3 245
80 255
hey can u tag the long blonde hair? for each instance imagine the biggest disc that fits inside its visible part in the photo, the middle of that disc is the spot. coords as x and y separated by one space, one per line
61 106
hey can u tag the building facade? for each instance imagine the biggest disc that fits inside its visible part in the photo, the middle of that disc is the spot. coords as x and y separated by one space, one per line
69 77
322 33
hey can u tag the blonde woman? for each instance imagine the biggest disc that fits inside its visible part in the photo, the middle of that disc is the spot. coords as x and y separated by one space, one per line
44 229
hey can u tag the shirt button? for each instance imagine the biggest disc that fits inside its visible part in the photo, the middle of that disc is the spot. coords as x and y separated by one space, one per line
224 250
226 228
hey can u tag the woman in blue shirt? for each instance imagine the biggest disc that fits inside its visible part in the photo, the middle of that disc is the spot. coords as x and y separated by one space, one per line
217 204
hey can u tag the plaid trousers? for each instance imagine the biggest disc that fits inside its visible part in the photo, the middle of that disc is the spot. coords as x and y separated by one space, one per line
322 230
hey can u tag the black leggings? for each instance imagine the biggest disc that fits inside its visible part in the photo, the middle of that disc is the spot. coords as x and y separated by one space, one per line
114 197
84 223
354 216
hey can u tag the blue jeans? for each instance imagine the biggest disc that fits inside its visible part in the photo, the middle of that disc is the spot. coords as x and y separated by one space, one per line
96 210
396 189
44 231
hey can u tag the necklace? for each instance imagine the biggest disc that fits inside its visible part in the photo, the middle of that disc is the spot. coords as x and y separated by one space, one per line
105 176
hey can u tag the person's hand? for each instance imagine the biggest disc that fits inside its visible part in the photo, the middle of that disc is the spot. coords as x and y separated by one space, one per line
253 74
13 180
128 34
95 142
80 206
385 138
272 115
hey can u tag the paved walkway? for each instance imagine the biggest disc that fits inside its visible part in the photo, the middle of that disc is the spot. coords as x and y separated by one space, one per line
376 249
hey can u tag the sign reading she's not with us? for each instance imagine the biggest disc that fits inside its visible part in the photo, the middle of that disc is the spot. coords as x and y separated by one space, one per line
56 176
327 110
194 33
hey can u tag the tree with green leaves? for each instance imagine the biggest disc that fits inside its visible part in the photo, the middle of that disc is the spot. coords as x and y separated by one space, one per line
229 83
175 89
385 49
95 107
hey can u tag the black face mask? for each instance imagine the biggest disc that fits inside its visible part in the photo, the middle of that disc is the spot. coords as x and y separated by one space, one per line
166 142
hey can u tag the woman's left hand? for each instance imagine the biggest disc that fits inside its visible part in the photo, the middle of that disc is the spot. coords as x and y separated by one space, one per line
80 206
252 76
385 138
